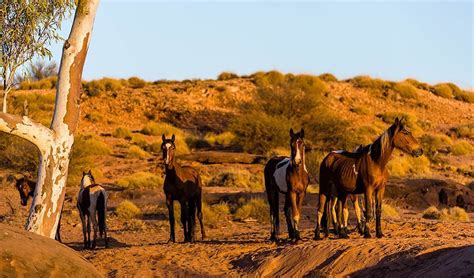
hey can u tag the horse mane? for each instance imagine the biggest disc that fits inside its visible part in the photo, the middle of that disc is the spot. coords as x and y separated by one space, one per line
381 144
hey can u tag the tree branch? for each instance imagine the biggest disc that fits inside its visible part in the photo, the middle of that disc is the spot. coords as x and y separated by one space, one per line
28 129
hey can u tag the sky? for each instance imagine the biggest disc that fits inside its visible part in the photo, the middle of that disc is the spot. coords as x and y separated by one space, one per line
431 41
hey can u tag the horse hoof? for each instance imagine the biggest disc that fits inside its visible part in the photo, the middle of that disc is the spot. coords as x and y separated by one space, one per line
367 235
380 235
317 237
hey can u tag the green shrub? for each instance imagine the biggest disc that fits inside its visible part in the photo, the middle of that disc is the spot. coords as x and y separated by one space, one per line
237 179
431 213
406 90
227 76
464 96
43 84
222 139
328 77
443 90
127 210
122 132
137 152
462 147
139 180
136 83
254 208
213 214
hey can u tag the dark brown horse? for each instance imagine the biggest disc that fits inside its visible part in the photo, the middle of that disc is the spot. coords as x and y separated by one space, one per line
26 188
182 184
365 172
287 175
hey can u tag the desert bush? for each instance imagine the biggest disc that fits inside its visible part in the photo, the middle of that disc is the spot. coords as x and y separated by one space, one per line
137 152
411 120
157 129
227 76
95 87
139 140
134 225
136 83
145 180
462 147
443 90
122 132
17 153
40 105
432 143
418 84
466 131
89 145
254 208
237 179
94 117
127 210
401 166
42 84
328 77
222 139
370 83
389 211
213 214
431 213
406 90
464 96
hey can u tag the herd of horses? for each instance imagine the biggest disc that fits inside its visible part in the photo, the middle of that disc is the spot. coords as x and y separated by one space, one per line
343 175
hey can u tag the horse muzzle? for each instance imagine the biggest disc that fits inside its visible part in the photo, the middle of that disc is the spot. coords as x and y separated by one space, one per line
417 152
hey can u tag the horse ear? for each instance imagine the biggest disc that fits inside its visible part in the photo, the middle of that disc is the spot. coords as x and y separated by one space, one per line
83 173
163 137
302 132
292 133
397 121
172 138
90 172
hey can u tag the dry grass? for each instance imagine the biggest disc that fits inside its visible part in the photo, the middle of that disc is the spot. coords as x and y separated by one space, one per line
451 214
255 208
462 147
222 139
214 214
237 178
411 120
466 131
136 83
443 90
431 213
46 83
137 152
157 129
389 211
227 76
127 210
138 180
406 90
122 132
401 166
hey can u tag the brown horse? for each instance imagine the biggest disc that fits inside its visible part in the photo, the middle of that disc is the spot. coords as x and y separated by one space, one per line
287 175
182 184
26 188
365 172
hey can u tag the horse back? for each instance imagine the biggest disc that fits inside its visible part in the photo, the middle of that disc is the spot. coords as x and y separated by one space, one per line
342 170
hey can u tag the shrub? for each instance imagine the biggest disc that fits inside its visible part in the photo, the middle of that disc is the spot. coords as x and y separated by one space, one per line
370 83
313 161
213 214
455 214
443 90
403 165
418 84
136 83
328 77
254 208
17 153
462 147
389 211
134 225
466 131
433 143
95 87
237 179
464 96
40 105
360 110
222 139
227 76
89 145
406 90
127 210
157 129
431 213
44 84
137 152
411 120
139 140
122 132
138 180
94 117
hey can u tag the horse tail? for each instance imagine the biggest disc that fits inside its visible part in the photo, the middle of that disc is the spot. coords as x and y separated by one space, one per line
101 207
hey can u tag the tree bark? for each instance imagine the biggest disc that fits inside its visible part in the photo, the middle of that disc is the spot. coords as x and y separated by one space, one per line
55 143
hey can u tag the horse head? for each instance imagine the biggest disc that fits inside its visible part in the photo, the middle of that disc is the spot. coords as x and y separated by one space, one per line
404 140
24 189
168 148
297 146
87 179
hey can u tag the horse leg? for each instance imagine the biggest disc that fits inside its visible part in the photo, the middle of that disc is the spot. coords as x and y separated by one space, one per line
95 226
88 230
295 214
84 231
169 204
299 204
289 221
355 202
368 211
333 203
270 199
378 211
319 215
343 216
276 214
199 215
192 220
184 219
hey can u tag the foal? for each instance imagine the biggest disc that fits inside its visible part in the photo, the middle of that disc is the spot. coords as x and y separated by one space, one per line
362 172
183 184
26 188
92 204
287 175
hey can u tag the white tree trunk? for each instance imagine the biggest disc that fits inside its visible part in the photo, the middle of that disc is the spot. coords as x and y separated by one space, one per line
4 105
55 143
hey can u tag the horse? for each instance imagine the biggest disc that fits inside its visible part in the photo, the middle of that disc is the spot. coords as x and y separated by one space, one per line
182 184
26 188
362 172
287 175
92 204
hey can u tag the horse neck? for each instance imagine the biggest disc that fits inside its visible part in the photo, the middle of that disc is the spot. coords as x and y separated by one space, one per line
172 168
301 168
381 150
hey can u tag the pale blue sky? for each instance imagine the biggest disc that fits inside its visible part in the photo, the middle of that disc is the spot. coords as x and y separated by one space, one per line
429 41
